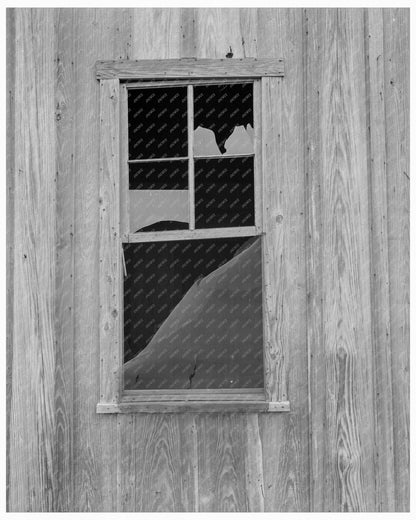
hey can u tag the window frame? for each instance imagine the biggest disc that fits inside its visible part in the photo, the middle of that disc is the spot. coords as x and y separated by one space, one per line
265 75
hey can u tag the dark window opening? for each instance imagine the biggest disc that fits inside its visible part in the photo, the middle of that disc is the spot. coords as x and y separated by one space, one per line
157 123
193 314
224 192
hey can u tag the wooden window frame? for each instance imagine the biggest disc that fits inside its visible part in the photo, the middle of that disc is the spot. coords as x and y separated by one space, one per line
114 231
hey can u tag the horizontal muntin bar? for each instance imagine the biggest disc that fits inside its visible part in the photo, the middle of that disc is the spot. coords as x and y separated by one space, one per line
172 159
156 159
224 156
194 234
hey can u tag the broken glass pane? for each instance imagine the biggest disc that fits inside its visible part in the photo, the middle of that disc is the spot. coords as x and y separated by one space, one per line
193 314
149 207
223 119
224 192
158 196
157 122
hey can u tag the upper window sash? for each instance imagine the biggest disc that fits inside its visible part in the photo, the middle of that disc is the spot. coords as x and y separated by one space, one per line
191 233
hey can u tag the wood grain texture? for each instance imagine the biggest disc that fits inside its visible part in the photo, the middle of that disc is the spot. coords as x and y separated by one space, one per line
189 68
230 471
343 442
379 262
65 258
32 418
280 34
396 73
197 406
275 312
341 113
110 246
313 72
10 124
166 470
98 34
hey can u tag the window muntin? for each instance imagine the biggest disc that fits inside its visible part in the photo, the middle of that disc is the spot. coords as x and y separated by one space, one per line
173 130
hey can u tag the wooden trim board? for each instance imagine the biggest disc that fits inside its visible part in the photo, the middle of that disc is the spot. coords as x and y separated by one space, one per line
194 407
189 68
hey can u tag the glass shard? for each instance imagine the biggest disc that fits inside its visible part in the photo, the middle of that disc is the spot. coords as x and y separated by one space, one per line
193 314
240 141
204 142
158 196
148 207
157 122
224 110
224 192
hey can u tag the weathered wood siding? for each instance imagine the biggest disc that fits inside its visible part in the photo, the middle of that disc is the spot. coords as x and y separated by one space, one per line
338 174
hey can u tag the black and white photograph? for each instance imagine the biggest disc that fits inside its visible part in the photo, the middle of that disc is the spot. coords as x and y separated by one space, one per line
207 259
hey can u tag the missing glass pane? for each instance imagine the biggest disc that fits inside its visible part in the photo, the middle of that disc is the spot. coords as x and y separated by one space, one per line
224 192
168 175
223 120
157 122
193 314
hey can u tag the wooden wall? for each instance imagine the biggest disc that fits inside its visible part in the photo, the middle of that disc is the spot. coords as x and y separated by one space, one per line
341 180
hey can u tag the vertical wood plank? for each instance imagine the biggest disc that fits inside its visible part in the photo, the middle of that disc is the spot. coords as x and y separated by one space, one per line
164 455
344 440
187 34
396 69
98 34
222 445
286 469
126 466
275 313
64 272
380 301
223 30
32 419
110 246
157 34
10 124
314 62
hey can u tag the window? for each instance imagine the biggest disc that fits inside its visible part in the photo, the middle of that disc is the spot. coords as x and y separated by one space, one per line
183 319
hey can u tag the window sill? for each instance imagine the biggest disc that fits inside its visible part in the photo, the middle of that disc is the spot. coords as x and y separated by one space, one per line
194 406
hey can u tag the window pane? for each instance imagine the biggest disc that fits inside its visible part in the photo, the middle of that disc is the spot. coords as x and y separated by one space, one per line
158 196
169 175
223 119
224 192
157 122
193 314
